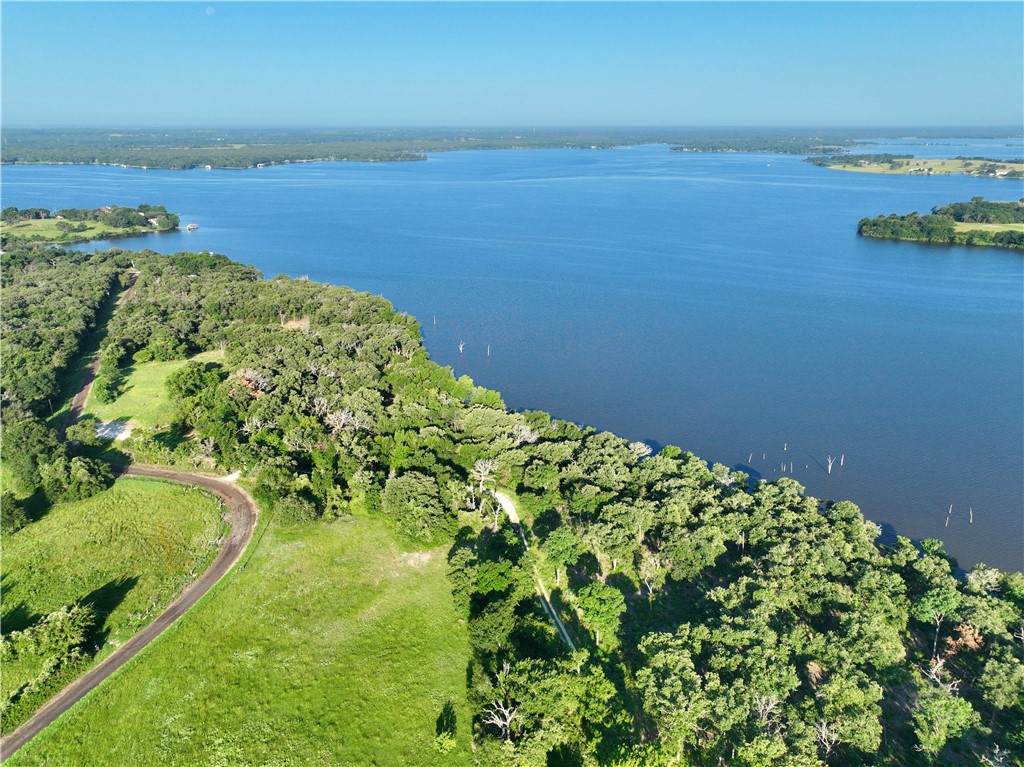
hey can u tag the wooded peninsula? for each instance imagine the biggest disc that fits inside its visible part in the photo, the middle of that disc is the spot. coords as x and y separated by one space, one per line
645 609
69 225
908 165
977 222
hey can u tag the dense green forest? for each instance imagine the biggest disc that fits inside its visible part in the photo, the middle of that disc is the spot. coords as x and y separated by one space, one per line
714 621
980 223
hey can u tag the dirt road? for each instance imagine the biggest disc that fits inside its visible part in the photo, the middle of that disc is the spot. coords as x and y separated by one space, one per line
78 403
542 592
242 514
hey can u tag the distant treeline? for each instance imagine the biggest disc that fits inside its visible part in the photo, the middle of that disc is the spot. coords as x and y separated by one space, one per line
940 224
238 148
778 145
850 159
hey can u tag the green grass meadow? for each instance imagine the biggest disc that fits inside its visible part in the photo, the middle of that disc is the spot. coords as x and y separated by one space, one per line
48 230
127 551
144 401
332 645
962 227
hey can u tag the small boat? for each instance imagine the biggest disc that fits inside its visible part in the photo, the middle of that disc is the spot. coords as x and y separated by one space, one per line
192 227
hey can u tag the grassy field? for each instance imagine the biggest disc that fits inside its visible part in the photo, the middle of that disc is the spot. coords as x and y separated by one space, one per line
144 401
127 551
332 645
961 227
47 230
923 166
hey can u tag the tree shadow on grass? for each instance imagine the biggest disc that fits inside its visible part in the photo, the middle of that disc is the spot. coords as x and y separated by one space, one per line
15 617
170 438
447 720
104 600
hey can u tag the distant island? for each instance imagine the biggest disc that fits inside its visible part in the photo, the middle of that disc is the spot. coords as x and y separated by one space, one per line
977 222
908 165
73 225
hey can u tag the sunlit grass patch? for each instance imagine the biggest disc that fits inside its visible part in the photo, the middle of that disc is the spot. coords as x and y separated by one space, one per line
144 401
126 552
58 230
331 646
962 227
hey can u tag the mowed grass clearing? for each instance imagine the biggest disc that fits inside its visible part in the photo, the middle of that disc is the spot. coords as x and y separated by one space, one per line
962 227
331 646
144 401
127 551
50 230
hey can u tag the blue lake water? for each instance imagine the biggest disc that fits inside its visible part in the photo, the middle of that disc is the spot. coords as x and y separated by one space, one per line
719 302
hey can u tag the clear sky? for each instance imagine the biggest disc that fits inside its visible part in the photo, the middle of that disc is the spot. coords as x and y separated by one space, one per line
523 64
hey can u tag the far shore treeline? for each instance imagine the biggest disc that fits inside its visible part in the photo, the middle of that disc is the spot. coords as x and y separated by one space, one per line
976 222
256 147
717 620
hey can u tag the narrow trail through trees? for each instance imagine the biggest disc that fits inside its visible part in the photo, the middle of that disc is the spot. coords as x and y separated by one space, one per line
545 599
82 396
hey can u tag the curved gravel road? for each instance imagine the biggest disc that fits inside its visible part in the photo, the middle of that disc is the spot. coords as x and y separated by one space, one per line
242 513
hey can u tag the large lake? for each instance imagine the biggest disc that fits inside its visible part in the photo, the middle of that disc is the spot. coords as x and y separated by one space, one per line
719 302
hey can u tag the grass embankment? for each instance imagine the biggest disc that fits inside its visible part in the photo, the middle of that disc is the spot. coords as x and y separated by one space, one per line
54 230
144 401
127 552
924 166
332 645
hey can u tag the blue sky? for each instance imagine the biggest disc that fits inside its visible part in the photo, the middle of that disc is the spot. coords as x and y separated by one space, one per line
523 64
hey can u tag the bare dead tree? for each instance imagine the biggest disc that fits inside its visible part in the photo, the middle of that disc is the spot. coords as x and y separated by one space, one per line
996 758
344 420
831 460
640 450
826 736
522 433
502 716
936 671
483 472
493 508
769 713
